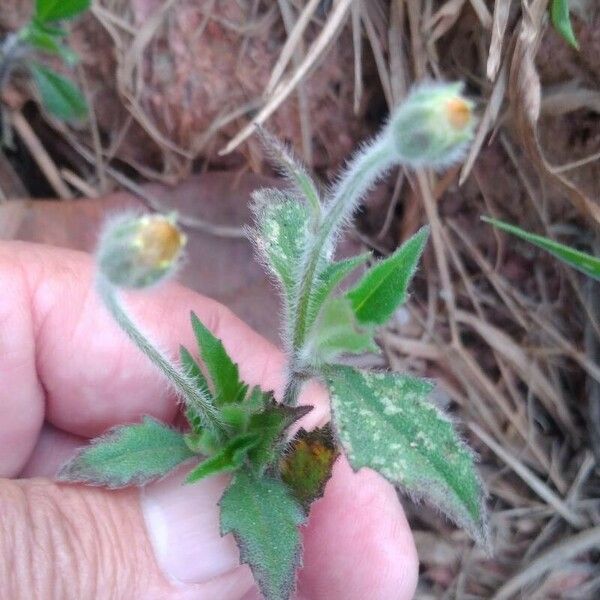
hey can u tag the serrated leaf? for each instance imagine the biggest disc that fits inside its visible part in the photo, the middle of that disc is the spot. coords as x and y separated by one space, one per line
331 276
586 263
228 459
128 455
59 95
264 519
337 332
385 422
383 287
307 463
55 10
223 372
270 424
282 228
561 19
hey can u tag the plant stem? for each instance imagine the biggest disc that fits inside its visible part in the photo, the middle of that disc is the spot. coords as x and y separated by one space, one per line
360 175
191 394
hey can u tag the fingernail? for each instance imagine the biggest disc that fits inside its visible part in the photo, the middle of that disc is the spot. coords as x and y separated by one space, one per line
183 526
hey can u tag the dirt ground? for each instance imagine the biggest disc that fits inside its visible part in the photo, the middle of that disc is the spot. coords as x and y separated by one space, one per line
511 336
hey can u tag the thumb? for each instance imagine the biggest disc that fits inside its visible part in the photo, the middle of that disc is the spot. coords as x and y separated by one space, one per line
73 542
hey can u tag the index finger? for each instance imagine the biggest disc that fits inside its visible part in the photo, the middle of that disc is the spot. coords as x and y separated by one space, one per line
62 357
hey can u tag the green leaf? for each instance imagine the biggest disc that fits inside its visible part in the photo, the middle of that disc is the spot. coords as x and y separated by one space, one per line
228 459
51 29
331 276
223 372
192 369
128 455
49 41
264 519
55 10
385 422
338 332
282 229
561 19
307 463
270 425
383 287
586 263
59 96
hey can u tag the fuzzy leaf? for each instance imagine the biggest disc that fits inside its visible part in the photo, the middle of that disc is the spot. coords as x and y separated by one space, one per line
59 95
307 463
331 276
192 369
383 288
270 425
223 372
338 332
128 455
293 170
561 19
282 228
55 10
228 459
264 518
385 422
586 263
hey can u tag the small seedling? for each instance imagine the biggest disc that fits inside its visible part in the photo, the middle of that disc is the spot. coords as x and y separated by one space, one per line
380 420
45 35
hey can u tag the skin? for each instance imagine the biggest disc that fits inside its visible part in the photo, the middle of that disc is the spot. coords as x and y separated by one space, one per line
68 374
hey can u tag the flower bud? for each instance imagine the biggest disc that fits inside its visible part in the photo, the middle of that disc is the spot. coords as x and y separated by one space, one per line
137 252
433 126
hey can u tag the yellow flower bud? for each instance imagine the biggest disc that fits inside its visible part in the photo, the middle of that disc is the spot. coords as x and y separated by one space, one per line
137 252
158 242
433 126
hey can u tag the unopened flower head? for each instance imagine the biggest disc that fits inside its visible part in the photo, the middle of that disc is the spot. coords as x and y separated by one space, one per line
137 252
433 126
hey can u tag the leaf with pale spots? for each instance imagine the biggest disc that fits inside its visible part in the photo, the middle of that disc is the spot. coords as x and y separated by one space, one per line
282 228
264 517
128 455
384 421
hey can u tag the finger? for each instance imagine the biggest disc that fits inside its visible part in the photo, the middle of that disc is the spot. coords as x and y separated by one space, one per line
61 350
358 543
52 450
72 542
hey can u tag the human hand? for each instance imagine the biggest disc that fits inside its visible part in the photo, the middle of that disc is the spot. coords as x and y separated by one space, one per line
69 373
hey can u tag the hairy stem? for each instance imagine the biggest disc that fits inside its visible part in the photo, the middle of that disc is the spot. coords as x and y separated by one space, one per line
360 175
193 397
